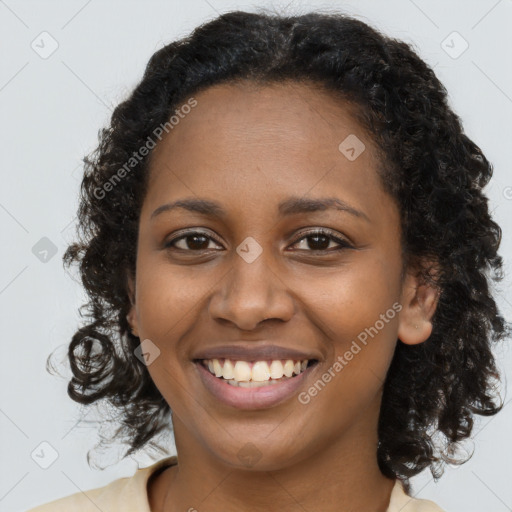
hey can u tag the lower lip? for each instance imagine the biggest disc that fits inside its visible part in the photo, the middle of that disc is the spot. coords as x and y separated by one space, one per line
251 398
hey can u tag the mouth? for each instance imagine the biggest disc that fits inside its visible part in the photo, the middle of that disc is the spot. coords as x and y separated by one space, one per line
256 383
252 374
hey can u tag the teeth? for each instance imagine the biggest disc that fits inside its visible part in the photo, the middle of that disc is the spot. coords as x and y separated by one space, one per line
217 368
259 373
251 384
288 368
276 369
242 371
228 370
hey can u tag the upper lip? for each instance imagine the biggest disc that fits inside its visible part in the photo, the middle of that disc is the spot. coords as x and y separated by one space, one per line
251 352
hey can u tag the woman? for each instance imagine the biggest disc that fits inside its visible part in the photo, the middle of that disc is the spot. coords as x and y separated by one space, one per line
285 243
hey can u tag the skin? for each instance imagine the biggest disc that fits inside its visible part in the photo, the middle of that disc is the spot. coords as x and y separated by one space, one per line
249 147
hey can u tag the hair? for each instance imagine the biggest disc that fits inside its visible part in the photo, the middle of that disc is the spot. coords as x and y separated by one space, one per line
427 164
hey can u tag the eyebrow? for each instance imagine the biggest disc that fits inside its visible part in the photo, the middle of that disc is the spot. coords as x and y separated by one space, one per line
291 206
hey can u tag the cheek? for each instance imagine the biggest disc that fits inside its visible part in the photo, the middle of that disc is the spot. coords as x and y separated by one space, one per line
351 300
357 310
166 297
166 302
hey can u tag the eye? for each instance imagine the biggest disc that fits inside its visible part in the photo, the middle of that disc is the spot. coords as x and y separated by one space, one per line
319 240
192 241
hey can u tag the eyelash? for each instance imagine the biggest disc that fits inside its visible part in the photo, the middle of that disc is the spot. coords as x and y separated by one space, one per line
320 231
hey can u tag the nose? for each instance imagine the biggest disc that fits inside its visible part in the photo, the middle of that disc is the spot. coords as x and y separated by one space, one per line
251 293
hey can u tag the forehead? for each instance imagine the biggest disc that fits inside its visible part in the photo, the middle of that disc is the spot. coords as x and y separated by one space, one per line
289 114
260 141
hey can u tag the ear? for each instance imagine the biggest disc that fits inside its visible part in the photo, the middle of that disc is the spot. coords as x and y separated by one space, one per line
132 314
419 300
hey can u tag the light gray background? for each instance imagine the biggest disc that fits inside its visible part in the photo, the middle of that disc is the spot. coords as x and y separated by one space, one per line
51 109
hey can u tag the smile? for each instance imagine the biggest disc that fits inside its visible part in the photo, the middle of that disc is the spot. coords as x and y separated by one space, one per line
248 374
258 384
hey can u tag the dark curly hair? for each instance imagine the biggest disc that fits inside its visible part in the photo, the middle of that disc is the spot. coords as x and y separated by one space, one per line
428 165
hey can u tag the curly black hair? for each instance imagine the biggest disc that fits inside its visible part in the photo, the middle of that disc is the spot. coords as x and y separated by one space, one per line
427 164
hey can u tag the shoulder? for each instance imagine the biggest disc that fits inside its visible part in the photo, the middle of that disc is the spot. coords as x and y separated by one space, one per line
128 493
402 502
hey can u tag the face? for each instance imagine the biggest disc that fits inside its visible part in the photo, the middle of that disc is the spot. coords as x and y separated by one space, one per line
293 255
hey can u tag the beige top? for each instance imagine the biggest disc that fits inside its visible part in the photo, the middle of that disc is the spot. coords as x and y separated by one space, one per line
130 494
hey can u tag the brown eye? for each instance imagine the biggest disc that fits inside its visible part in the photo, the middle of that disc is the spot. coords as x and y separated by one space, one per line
313 241
321 240
191 241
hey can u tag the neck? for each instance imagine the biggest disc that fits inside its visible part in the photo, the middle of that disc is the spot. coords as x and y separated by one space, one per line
346 471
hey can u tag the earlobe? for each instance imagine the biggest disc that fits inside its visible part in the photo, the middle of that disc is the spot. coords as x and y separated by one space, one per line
131 317
419 302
